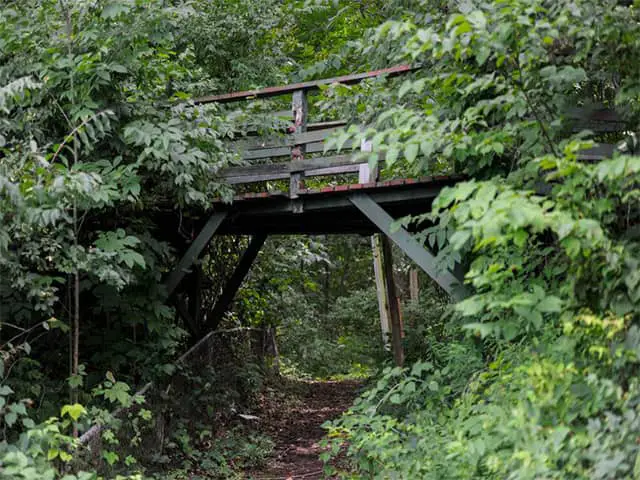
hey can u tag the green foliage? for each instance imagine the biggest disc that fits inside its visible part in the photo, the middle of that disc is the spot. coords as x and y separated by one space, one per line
319 294
100 147
543 362
346 341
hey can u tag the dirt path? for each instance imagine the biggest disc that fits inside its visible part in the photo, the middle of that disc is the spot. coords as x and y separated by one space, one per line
293 420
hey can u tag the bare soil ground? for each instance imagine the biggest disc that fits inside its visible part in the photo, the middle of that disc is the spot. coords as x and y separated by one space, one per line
292 417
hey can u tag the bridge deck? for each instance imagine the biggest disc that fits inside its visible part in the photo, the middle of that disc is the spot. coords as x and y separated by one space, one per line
327 210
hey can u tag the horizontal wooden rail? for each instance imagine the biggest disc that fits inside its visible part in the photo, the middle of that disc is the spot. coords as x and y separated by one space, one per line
276 141
261 153
311 85
339 164
321 166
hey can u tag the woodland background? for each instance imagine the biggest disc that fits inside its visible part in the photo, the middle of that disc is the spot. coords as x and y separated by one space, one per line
534 375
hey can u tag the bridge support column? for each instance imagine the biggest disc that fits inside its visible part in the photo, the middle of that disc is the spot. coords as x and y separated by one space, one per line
234 282
392 301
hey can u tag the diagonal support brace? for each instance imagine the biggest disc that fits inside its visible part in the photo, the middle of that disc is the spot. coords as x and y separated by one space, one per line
410 246
236 279
193 252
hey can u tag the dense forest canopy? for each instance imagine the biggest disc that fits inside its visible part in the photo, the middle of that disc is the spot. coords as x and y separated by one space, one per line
106 162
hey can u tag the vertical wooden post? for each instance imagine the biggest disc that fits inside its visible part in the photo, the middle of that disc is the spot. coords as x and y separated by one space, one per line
300 110
414 285
381 290
366 175
195 296
392 301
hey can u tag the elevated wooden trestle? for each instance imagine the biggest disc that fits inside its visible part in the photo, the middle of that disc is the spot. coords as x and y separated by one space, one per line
365 206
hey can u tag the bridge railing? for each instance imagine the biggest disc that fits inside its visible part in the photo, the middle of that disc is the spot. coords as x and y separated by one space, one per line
302 151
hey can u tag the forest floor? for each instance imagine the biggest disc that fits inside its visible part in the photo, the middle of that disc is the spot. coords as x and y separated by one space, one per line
293 418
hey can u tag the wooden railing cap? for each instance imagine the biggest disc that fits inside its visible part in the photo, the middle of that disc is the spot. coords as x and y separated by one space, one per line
311 85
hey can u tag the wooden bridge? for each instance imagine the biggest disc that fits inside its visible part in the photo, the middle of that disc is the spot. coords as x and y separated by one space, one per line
363 205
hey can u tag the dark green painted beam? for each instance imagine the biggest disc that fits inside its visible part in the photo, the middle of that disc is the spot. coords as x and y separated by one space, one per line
410 246
194 251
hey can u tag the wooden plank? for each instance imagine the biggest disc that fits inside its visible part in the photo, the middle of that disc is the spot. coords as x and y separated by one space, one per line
267 177
325 162
276 141
315 147
392 302
194 251
411 247
323 125
262 153
341 170
311 126
235 281
311 85
275 171
600 151
381 290
269 168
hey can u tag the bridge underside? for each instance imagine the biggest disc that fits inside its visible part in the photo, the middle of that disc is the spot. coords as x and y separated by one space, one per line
346 209
328 210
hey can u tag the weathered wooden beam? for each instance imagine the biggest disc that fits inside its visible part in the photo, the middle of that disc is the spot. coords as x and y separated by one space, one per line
312 85
289 140
337 170
253 134
292 166
260 177
381 289
233 284
410 246
236 178
313 126
392 302
315 147
600 151
194 251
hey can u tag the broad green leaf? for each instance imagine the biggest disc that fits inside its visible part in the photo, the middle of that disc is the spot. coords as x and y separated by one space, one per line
411 152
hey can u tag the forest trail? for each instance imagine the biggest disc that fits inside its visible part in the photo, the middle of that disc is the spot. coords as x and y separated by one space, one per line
294 419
